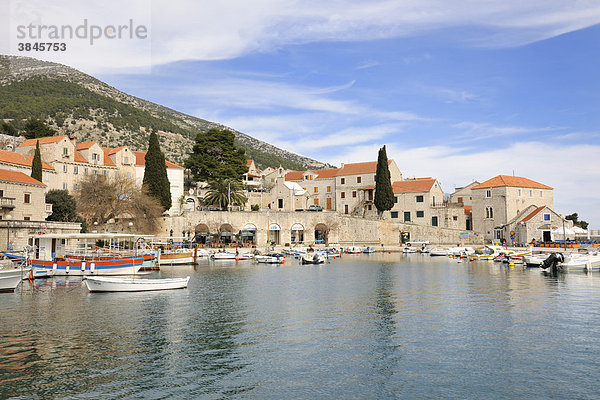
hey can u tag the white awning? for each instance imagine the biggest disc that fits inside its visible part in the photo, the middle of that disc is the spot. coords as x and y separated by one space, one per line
249 227
274 227
297 227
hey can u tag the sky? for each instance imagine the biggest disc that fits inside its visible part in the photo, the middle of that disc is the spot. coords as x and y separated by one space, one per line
456 90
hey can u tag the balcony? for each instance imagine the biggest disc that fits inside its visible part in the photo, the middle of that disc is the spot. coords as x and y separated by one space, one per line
48 209
7 202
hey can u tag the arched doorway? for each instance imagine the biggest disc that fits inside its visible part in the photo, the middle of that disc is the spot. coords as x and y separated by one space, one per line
202 233
274 231
297 233
226 234
321 233
248 235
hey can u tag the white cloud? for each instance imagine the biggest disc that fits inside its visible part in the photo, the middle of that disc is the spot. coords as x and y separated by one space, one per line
484 130
208 30
572 170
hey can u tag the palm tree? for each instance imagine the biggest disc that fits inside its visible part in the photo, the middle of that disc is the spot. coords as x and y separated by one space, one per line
222 190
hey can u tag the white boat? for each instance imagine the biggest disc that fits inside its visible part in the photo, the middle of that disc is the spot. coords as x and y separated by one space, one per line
581 262
460 251
488 252
312 258
410 250
425 250
534 260
227 255
368 250
10 278
438 252
270 258
354 250
108 284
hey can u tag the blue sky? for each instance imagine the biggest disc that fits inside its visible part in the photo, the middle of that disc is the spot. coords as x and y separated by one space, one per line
457 90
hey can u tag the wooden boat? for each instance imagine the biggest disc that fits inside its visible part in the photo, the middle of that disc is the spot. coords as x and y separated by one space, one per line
10 278
109 284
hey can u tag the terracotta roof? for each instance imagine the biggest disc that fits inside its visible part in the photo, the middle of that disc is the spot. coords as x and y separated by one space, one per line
84 145
140 159
360 168
248 163
107 160
19 177
294 175
413 185
253 175
532 214
11 157
512 181
79 157
42 140
326 173
468 210
113 151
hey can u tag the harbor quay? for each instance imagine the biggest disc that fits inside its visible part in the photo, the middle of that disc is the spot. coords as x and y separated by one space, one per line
257 228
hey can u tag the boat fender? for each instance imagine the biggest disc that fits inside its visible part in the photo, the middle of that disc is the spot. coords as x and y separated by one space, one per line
54 267
92 267
67 269
30 275
83 265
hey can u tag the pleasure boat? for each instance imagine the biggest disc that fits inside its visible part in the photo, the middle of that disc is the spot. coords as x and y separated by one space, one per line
439 252
10 278
270 258
108 284
312 258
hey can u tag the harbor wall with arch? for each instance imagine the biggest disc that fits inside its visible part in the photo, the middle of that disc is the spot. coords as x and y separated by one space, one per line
318 227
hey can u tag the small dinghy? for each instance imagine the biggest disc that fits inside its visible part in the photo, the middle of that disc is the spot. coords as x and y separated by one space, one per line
106 284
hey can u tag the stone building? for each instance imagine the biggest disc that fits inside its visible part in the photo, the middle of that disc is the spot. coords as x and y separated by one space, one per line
318 184
500 199
535 223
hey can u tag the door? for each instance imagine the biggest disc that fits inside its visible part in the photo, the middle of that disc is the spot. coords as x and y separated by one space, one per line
547 237
328 205
345 208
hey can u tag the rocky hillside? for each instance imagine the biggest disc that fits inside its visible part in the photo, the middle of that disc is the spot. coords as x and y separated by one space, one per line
76 103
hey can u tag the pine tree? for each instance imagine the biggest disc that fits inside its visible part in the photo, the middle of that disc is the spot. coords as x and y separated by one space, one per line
36 164
384 194
156 181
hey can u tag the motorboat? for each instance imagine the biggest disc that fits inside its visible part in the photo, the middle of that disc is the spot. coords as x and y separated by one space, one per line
425 250
109 284
439 252
229 255
270 258
312 258
10 278
534 260
409 250
460 251
488 252
368 250
354 250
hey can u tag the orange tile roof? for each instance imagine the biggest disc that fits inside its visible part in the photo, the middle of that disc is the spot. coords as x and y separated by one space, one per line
532 214
326 173
11 157
107 160
413 185
294 175
113 151
18 177
468 210
42 140
140 159
248 163
360 168
84 145
79 157
512 181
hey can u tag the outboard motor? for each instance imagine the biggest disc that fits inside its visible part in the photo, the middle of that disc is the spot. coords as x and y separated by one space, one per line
552 262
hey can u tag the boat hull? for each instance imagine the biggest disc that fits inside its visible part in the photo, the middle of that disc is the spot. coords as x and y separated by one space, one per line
106 284
10 279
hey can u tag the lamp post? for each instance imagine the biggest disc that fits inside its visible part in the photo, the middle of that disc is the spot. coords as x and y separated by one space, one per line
564 234
8 218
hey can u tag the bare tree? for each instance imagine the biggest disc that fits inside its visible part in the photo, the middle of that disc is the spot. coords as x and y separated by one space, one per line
101 200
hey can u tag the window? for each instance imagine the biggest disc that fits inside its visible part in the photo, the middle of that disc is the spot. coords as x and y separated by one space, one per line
75 187
369 207
354 193
488 193
75 169
1 193
343 195
85 171
433 201
489 212
541 194
546 217
328 189
358 179
460 199
454 218
406 216
419 199
64 185
519 192
316 189
65 168
316 202
27 198
65 152
420 214
125 160
280 203
27 218
434 221
531 193
395 199
95 156
394 214
342 181
346 209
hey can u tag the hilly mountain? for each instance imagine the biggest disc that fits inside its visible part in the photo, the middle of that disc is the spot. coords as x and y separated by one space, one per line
76 103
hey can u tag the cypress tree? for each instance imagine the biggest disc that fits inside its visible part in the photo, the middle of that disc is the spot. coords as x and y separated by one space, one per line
36 164
156 181
384 194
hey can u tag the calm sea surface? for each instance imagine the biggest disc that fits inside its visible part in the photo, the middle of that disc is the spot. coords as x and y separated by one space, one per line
382 326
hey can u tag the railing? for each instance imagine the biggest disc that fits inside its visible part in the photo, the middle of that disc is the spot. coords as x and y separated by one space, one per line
7 202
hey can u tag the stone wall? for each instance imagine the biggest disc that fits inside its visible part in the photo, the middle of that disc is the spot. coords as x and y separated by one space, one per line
340 229
18 232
